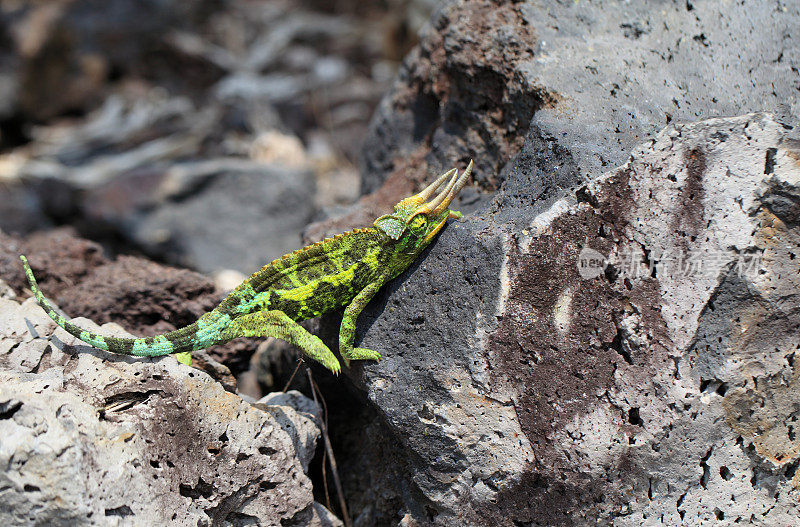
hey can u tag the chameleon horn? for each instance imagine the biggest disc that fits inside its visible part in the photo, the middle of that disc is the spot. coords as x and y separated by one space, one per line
435 203
452 190
428 191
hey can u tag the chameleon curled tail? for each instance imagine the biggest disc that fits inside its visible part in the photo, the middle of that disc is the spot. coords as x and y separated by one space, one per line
344 271
183 340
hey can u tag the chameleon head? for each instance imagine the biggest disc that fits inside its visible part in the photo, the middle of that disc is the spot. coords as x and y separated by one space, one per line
418 219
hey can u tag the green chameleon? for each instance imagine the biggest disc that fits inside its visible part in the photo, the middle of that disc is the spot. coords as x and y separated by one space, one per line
346 270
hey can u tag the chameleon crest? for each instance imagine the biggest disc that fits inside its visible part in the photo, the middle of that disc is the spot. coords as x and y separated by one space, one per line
346 270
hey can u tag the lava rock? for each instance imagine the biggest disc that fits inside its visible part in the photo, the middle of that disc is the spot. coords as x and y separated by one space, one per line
594 79
59 257
92 438
624 353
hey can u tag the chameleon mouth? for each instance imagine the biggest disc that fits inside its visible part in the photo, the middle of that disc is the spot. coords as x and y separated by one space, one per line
440 203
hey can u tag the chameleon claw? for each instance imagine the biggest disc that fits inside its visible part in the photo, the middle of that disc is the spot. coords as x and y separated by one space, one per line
333 366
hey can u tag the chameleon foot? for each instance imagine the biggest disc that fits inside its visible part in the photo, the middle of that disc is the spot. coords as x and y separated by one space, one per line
362 354
330 362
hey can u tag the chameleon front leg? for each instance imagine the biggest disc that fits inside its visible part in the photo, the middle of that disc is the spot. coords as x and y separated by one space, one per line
277 324
347 331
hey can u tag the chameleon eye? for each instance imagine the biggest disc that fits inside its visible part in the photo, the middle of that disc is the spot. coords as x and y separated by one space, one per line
418 223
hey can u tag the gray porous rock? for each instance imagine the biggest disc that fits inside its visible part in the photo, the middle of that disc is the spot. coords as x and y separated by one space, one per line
592 78
624 356
88 438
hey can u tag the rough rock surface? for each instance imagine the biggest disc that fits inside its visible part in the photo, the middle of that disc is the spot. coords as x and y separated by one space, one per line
591 78
624 356
95 439
503 399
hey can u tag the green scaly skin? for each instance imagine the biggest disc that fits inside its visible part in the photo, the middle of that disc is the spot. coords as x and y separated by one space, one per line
346 270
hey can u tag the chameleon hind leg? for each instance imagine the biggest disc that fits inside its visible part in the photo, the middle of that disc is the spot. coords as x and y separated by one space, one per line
347 331
277 324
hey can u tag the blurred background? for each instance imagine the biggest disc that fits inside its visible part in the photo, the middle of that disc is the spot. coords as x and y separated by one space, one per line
204 134
189 131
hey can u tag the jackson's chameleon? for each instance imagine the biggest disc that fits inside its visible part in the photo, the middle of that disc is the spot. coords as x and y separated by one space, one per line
346 270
